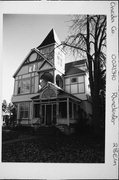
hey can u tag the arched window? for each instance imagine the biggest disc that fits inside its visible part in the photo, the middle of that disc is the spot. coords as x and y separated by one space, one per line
47 77
59 81
48 93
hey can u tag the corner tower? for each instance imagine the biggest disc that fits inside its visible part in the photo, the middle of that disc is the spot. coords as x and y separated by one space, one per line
52 50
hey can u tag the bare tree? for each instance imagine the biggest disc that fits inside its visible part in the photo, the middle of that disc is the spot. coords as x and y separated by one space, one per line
13 113
88 38
4 105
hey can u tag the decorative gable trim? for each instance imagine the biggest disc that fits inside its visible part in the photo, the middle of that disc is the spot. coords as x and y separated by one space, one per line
46 65
52 91
23 63
78 74
48 93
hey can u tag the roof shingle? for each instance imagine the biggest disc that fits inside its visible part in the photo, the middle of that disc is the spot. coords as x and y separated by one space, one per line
70 68
50 38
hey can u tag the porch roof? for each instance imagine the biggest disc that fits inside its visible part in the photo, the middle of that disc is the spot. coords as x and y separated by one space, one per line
60 93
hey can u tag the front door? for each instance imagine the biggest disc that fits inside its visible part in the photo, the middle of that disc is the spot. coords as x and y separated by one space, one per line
48 114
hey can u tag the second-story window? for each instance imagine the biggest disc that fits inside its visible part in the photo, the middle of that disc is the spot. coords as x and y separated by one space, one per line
32 84
32 67
26 86
74 80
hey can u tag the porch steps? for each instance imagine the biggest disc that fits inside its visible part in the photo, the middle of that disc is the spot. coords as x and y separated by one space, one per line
61 128
48 130
64 129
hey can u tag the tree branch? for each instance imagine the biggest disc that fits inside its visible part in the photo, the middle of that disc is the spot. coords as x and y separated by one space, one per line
99 29
69 45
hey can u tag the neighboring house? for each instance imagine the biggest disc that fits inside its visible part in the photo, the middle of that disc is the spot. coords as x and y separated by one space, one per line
46 90
5 117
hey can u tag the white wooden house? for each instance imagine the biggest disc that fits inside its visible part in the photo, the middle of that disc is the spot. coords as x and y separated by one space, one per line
48 91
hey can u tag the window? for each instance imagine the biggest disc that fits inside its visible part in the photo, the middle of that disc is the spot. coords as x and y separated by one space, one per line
63 110
24 110
32 67
74 88
67 80
81 88
15 87
36 110
81 79
26 86
59 81
67 88
74 80
32 84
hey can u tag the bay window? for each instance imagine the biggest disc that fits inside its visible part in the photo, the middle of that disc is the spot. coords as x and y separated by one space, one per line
26 86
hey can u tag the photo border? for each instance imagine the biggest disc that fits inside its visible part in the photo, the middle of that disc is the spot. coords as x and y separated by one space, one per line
106 170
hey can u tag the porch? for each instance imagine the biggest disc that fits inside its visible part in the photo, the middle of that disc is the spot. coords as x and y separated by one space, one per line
53 106
55 112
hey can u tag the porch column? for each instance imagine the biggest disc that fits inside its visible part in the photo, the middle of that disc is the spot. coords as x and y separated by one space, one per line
32 105
72 110
68 111
45 115
40 113
18 113
57 111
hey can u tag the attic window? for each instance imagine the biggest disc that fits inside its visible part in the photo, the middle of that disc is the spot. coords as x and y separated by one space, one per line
32 67
74 80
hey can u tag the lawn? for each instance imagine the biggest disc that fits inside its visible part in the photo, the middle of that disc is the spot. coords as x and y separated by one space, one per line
57 149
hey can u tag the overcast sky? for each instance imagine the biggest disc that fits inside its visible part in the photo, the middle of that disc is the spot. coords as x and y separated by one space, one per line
21 33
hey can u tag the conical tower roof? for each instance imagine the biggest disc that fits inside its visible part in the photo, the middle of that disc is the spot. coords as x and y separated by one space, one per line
50 38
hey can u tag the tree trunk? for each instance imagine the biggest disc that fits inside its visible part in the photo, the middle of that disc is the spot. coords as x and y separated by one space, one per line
95 96
96 113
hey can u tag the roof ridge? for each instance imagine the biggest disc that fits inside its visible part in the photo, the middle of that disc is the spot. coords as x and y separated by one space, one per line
73 62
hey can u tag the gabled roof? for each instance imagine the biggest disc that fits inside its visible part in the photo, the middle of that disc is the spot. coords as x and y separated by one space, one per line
32 50
72 67
60 92
74 70
50 39
48 85
47 67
